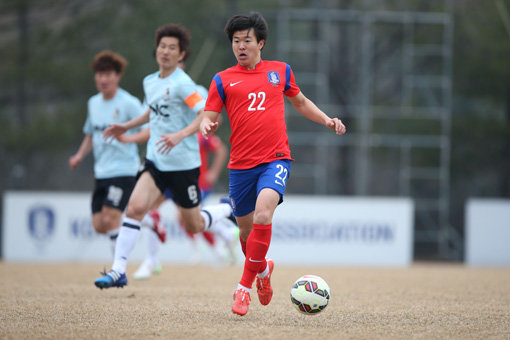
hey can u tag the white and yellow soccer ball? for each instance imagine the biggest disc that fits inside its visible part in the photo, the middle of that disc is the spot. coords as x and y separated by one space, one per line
310 294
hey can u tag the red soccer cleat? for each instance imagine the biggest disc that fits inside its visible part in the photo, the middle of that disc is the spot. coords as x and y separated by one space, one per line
241 302
158 227
264 289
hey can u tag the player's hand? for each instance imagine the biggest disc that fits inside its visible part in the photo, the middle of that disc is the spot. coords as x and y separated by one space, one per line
74 161
113 131
336 125
168 142
208 128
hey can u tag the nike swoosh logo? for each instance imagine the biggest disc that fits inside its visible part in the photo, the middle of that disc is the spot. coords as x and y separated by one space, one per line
252 260
234 84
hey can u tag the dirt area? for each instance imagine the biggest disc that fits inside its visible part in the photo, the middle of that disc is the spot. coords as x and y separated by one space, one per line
193 302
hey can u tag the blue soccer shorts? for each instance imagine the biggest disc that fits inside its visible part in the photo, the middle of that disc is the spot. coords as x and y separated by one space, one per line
245 185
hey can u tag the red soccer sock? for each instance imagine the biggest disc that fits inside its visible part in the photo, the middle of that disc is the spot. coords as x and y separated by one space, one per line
209 237
243 245
192 236
257 246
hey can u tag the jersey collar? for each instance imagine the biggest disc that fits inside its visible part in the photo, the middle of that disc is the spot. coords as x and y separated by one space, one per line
170 75
244 68
110 99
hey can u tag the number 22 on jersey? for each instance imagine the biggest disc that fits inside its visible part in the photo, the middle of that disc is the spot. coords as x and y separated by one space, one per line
257 101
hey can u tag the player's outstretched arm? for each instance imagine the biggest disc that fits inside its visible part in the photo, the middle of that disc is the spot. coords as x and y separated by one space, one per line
208 123
84 150
139 137
115 130
308 109
169 141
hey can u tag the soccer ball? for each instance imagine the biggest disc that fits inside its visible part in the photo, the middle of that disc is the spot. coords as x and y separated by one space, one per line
310 294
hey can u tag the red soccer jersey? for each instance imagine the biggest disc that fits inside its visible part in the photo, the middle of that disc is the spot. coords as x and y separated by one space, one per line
207 146
255 106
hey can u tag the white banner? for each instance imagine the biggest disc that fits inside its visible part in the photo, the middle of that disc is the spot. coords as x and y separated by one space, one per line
488 232
329 230
48 226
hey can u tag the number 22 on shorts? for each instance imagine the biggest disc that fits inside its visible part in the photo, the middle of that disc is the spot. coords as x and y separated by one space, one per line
281 175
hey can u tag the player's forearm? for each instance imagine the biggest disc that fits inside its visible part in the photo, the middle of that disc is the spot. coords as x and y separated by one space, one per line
308 109
139 137
85 147
138 121
193 127
209 116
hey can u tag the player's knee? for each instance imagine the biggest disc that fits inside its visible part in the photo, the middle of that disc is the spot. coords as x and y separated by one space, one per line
262 217
136 211
99 226
110 222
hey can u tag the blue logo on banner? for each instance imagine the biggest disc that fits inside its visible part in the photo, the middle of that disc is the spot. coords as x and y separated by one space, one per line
273 77
41 222
82 228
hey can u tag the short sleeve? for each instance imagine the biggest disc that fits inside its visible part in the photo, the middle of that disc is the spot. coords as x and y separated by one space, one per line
145 105
87 127
216 96
135 109
202 91
291 89
191 97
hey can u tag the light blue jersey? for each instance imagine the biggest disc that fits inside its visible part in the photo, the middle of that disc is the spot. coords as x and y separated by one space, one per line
202 91
174 103
112 158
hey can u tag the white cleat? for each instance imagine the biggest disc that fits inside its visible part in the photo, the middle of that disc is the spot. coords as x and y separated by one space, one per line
146 270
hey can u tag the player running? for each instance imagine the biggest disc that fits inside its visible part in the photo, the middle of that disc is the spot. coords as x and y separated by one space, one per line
224 248
260 160
208 177
115 164
172 160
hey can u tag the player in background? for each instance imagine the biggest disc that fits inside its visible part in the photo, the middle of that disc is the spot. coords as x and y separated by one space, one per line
115 164
223 248
172 160
253 95
208 177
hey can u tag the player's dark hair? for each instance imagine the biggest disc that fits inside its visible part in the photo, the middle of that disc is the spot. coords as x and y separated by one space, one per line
177 31
244 22
109 61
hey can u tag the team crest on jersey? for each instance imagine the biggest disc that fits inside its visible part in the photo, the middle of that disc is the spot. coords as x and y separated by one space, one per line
116 114
273 77
166 95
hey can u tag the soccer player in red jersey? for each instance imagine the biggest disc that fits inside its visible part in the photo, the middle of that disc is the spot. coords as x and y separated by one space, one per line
252 93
